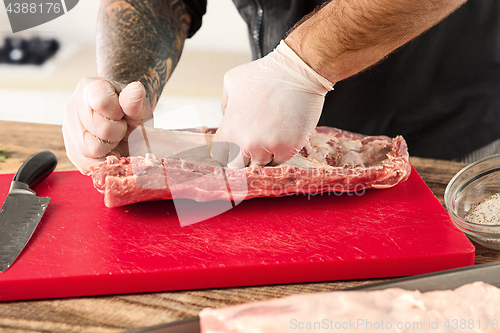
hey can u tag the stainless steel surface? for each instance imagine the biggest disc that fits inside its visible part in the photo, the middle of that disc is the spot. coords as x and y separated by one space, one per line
449 279
19 217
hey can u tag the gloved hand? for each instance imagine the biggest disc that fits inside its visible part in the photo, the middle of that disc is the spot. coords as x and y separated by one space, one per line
99 116
270 108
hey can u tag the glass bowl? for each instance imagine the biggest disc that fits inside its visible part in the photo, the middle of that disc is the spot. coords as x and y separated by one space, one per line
469 187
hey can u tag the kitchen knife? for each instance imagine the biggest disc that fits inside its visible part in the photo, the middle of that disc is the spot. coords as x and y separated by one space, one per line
22 210
449 279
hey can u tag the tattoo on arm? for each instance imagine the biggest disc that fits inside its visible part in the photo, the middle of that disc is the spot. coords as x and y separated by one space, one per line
141 40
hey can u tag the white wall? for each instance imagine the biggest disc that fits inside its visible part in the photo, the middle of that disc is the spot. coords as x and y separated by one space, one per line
223 29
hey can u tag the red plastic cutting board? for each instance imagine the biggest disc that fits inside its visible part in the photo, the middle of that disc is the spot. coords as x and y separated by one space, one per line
83 248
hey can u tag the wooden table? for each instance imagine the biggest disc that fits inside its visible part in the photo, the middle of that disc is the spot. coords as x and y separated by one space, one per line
124 312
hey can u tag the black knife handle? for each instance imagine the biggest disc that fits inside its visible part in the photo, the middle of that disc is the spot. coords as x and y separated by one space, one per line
36 168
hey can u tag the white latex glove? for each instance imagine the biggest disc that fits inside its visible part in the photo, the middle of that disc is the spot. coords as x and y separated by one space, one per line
270 108
99 116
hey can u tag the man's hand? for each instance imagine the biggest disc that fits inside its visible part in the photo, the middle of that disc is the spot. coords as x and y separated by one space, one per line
137 40
270 107
98 118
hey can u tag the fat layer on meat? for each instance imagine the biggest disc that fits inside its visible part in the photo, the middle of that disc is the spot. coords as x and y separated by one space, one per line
470 308
332 161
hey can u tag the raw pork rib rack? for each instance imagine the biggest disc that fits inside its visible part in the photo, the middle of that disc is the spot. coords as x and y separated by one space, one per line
332 161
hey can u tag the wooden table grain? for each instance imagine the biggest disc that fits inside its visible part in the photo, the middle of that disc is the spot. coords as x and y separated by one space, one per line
118 313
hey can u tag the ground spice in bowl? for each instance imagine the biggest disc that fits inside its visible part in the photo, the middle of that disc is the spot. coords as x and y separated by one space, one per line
471 203
486 212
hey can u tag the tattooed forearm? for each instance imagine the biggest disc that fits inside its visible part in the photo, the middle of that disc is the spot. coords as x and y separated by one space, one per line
141 40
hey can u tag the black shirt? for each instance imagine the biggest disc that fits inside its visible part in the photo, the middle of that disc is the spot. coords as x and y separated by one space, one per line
441 91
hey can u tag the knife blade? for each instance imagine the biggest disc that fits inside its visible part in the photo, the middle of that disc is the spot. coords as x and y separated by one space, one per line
22 210
448 279
443 280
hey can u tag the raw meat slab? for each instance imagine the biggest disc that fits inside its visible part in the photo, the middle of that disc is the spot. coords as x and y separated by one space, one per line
332 160
83 248
473 305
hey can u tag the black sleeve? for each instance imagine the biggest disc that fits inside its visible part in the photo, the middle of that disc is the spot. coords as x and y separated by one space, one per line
197 8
